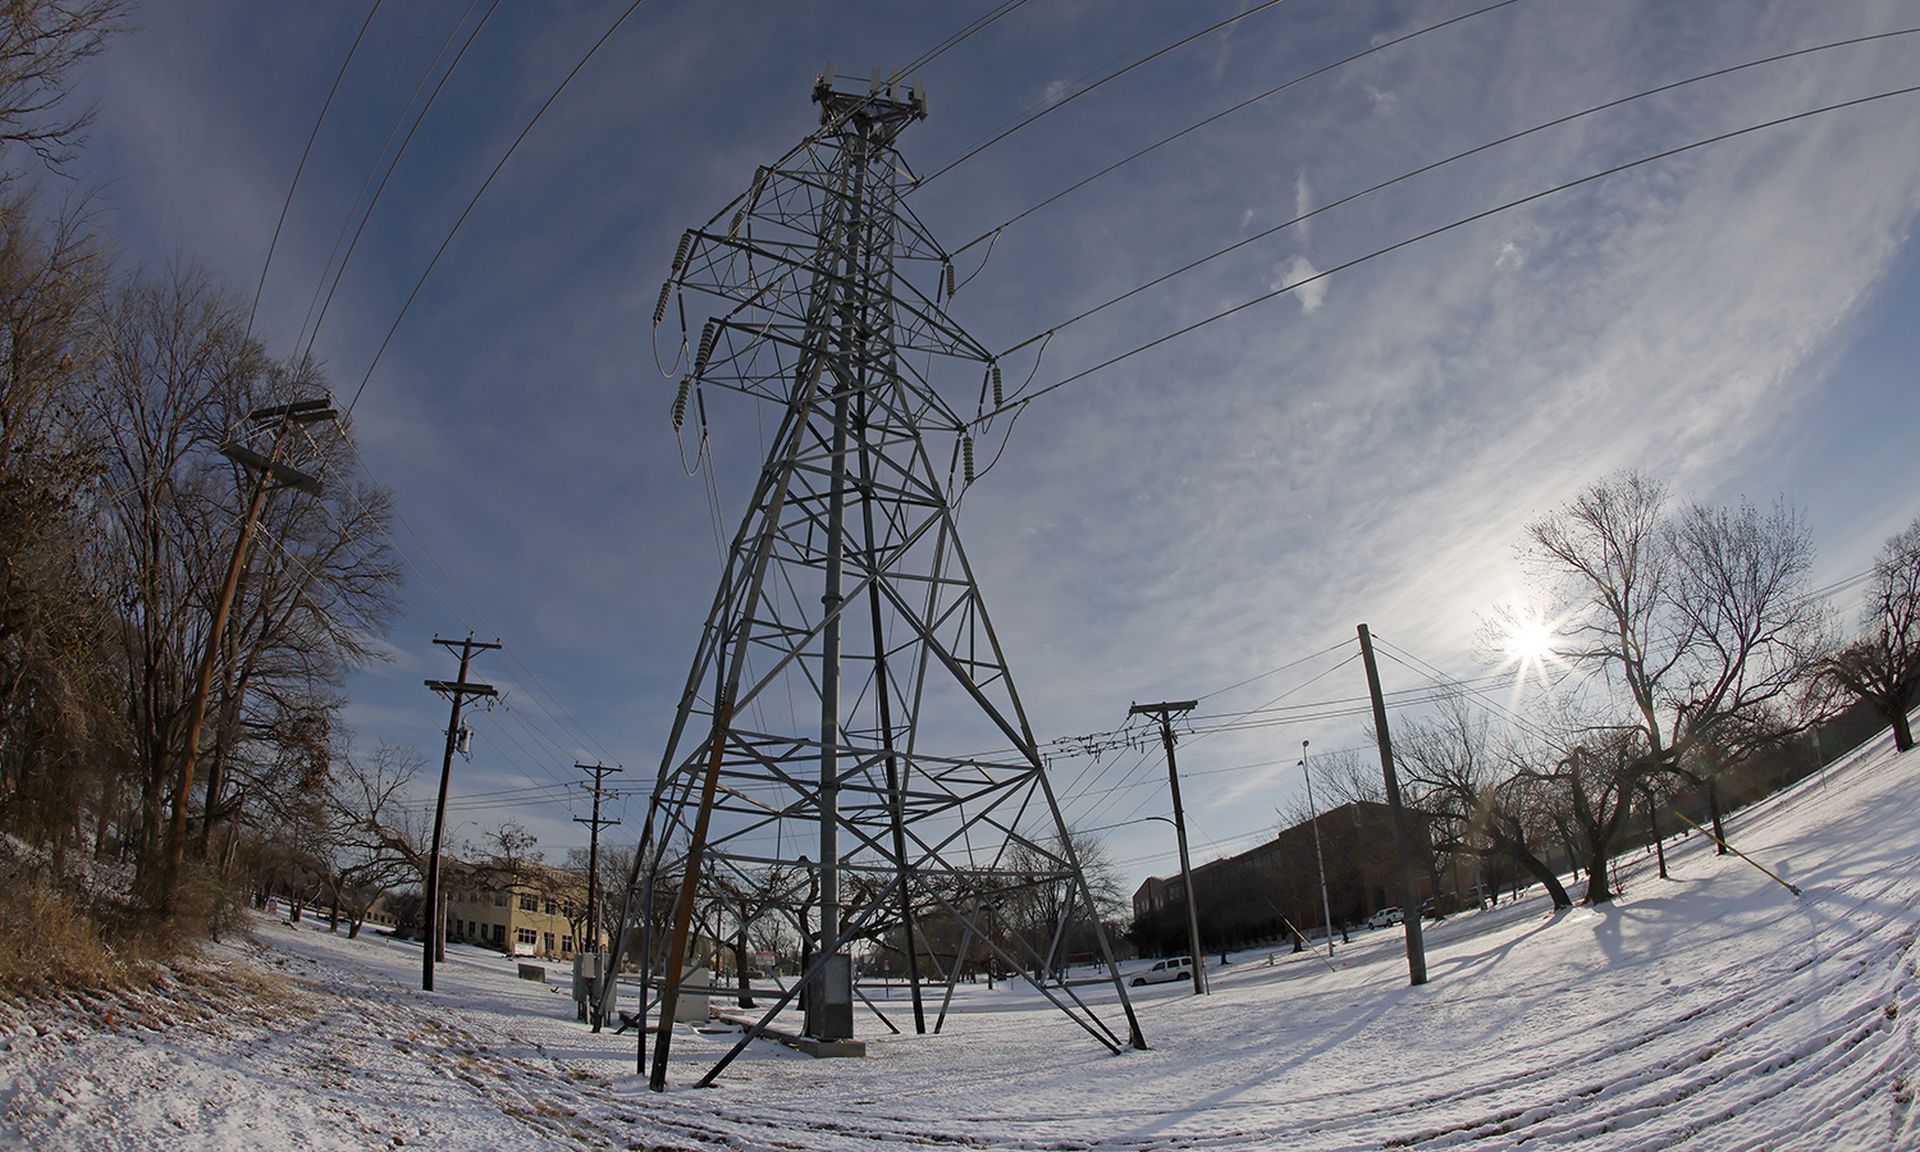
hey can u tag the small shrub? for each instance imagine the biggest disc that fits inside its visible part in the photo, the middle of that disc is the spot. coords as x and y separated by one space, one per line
65 930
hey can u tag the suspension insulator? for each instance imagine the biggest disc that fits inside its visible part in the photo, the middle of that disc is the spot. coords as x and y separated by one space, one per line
951 287
660 309
707 336
999 393
966 458
739 218
680 402
680 253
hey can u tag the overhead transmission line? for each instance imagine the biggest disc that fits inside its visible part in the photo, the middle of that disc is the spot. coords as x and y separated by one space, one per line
1250 720
1017 402
482 191
301 167
1095 86
1221 115
1422 170
1454 686
340 273
978 24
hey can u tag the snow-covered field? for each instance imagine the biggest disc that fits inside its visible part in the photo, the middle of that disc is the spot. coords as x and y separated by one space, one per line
1712 1011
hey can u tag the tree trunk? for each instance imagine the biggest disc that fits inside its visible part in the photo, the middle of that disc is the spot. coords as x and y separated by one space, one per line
740 962
1653 828
1510 841
1713 808
1902 730
1597 890
1539 871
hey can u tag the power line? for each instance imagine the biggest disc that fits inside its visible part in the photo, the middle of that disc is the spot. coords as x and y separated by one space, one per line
1426 168
302 166
1457 687
1095 86
938 50
1014 404
481 191
1284 667
353 209
1221 115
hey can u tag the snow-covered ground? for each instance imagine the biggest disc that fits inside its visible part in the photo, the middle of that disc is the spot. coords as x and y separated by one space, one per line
1711 1011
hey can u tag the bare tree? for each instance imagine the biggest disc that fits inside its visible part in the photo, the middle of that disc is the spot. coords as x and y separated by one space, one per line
62 731
1700 621
171 349
1882 666
1480 802
41 42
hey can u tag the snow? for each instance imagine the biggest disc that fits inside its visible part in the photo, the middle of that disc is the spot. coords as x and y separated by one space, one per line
1713 1011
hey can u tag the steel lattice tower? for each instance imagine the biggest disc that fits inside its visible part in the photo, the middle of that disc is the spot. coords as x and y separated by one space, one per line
823 763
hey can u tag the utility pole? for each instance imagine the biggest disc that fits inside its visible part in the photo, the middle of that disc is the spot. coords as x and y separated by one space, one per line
457 690
593 869
1313 817
1410 894
1164 712
280 418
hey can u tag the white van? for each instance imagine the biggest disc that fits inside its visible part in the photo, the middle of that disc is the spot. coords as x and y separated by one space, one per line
1178 968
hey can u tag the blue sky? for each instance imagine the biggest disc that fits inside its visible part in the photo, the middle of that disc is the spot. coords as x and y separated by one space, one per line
1737 320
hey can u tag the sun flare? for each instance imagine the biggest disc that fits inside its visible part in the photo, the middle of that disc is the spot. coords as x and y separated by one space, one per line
1530 641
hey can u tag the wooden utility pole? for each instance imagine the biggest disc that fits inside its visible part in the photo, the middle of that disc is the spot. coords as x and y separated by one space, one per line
280 418
458 690
1164 712
593 869
1409 891
683 908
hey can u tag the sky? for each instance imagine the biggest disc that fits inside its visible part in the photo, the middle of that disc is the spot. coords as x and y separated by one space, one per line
1736 320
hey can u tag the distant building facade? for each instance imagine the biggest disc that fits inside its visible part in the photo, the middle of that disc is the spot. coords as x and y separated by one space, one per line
538 911
1255 895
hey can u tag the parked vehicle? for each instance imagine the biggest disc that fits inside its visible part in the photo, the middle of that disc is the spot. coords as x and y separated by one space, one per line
1386 918
1178 968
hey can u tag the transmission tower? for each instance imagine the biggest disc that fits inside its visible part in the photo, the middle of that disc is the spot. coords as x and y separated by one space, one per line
821 764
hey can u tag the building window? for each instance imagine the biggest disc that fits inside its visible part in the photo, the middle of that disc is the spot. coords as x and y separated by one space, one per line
499 934
529 902
548 941
499 899
566 945
551 907
524 936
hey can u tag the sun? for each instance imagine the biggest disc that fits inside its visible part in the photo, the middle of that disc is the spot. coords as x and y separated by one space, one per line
1530 642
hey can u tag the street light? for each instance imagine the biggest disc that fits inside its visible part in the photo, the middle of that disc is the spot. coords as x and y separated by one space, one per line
1313 817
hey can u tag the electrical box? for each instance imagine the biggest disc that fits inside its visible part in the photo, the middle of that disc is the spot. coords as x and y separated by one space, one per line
586 973
836 981
829 1013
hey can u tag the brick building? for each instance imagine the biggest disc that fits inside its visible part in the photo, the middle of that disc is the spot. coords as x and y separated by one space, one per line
1252 896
